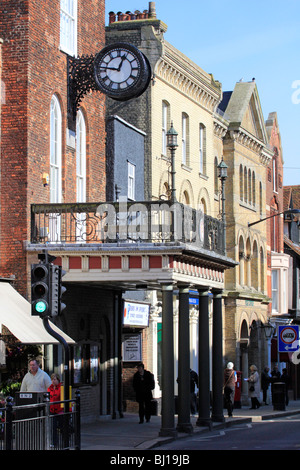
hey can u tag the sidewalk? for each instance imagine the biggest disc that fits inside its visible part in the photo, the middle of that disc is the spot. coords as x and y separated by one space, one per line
127 434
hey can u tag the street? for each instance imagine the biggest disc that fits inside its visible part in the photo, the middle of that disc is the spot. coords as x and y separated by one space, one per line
277 434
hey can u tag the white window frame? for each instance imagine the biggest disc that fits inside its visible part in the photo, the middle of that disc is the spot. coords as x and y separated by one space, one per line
68 26
55 167
164 127
80 157
55 151
131 181
184 139
275 290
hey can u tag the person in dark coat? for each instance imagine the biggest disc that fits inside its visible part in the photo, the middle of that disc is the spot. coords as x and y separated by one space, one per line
193 384
143 384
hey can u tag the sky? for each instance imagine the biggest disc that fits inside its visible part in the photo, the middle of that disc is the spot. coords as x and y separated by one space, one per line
237 40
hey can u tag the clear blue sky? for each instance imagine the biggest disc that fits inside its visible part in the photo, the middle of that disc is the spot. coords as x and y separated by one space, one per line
236 39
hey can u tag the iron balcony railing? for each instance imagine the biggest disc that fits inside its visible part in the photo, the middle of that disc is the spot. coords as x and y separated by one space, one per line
125 222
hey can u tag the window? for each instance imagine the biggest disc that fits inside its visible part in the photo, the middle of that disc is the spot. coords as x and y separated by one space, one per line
184 139
55 151
202 149
80 157
131 181
274 167
241 183
165 125
275 290
253 189
216 179
55 167
68 26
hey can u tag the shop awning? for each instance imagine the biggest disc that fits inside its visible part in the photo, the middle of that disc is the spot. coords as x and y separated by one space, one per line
15 314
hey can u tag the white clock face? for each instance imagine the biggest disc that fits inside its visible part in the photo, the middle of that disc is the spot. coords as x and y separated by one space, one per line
119 69
122 71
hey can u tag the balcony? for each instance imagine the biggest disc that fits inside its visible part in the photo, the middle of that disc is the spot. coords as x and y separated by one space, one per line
125 222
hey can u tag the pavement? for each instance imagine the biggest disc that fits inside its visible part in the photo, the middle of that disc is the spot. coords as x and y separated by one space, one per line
127 434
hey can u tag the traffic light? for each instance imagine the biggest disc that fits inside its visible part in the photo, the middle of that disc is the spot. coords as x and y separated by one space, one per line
40 289
57 290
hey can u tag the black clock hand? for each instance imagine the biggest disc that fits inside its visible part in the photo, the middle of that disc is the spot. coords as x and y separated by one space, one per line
109 68
121 62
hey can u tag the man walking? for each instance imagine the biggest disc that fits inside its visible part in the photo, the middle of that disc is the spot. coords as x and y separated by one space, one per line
143 384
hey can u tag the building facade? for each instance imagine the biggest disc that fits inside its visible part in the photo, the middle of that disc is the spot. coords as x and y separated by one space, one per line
47 154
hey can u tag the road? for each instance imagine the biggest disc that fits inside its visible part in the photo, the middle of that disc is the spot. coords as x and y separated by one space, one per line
277 434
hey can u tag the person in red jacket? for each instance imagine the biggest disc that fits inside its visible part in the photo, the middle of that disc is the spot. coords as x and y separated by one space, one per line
54 391
56 410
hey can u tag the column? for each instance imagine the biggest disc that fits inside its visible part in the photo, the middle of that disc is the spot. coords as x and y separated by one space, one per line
184 422
203 358
217 359
168 400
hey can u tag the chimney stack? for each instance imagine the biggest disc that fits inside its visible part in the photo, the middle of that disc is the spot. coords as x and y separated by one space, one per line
152 10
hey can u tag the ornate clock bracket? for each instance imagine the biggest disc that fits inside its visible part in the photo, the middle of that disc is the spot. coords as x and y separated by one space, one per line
80 81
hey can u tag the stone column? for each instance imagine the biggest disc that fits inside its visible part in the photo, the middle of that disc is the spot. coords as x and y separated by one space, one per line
203 358
168 399
217 359
184 422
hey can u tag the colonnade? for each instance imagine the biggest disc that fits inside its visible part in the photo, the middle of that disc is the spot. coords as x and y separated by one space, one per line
205 417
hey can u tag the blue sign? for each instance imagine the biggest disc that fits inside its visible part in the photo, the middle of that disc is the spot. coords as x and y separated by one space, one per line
288 338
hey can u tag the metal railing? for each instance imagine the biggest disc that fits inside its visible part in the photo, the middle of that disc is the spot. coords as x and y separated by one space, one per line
33 427
125 222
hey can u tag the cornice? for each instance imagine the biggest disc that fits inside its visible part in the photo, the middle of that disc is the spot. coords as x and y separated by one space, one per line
178 71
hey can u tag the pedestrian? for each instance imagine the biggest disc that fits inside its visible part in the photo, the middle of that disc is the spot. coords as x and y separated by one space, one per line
143 384
194 382
230 378
287 380
56 410
36 380
265 382
254 387
275 374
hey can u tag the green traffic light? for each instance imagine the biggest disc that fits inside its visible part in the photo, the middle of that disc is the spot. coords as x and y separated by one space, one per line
41 306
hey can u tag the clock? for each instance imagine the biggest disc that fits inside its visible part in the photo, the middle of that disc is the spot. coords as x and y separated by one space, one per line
122 71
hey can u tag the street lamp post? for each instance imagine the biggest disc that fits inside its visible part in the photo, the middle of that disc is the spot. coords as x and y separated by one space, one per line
172 145
289 211
222 175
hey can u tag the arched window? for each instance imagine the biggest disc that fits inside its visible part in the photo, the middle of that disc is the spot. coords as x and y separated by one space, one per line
216 179
253 189
55 151
186 198
249 187
260 198
242 262
80 157
185 139
165 125
245 185
255 266
202 149
241 183
275 170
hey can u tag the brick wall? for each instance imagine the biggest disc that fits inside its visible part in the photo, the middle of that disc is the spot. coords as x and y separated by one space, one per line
34 69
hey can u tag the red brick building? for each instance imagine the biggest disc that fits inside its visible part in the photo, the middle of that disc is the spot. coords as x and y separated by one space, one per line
46 154
36 44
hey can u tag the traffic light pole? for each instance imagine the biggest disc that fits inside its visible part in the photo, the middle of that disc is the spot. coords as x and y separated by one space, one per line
65 345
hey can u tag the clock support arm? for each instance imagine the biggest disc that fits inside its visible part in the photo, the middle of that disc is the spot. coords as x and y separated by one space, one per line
80 81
